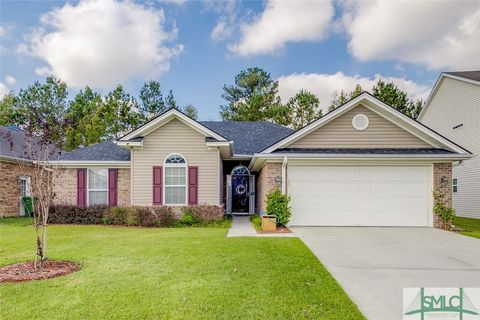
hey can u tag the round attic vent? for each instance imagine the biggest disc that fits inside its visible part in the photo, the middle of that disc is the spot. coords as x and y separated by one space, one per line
360 122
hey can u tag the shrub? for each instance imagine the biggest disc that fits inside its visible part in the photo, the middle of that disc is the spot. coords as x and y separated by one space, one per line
188 217
147 217
206 212
133 216
165 216
70 214
445 213
278 205
117 215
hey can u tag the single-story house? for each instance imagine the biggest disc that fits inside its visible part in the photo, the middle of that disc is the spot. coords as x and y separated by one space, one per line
362 164
15 172
453 110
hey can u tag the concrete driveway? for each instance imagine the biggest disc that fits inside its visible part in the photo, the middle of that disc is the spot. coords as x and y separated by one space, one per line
373 265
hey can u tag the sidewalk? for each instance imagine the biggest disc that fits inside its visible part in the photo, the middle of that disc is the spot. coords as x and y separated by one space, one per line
241 227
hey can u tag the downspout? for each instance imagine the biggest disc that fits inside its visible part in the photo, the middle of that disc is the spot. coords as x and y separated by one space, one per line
458 163
284 175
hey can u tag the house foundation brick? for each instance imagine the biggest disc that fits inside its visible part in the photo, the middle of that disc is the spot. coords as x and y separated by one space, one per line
10 173
269 178
66 187
442 184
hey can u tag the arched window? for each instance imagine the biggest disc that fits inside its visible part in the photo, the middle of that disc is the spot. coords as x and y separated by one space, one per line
175 175
240 171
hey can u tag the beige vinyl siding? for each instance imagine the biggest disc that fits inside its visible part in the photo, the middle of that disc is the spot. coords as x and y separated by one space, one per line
339 133
456 102
176 137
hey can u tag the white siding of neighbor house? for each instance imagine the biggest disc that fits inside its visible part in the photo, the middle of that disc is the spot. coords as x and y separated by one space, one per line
176 137
456 102
339 133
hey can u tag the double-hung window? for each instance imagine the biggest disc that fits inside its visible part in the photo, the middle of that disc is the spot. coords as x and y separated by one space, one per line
175 176
25 186
97 187
455 185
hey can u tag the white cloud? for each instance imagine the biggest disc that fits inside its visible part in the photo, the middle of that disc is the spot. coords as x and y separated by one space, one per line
324 85
4 86
177 2
282 22
3 31
437 34
102 43
226 23
3 90
10 80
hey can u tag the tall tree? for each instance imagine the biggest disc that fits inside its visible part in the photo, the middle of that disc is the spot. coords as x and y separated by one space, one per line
41 108
119 112
393 96
8 113
170 101
253 97
341 97
83 123
191 111
151 98
303 108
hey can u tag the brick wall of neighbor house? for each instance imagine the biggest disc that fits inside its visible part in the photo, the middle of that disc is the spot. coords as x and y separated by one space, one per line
266 182
66 187
10 188
441 170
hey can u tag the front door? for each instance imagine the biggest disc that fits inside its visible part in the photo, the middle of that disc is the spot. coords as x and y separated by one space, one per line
240 193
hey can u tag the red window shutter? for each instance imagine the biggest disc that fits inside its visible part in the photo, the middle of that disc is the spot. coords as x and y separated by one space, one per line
81 187
112 187
157 185
192 186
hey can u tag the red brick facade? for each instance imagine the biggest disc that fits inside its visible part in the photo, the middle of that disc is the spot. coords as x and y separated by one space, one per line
10 173
442 184
269 178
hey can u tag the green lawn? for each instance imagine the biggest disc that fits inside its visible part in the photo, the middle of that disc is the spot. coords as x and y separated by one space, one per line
178 273
471 225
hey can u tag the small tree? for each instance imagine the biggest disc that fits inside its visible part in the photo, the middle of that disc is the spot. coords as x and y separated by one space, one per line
43 108
278 204
444 213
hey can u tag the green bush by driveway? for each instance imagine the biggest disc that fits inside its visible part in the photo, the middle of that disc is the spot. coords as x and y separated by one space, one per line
176 273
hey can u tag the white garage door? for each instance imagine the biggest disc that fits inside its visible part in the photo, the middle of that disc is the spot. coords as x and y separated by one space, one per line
359 196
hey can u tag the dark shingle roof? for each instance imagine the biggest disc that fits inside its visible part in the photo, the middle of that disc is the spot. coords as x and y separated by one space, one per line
426 151
472 75
249 137
13 144
103 151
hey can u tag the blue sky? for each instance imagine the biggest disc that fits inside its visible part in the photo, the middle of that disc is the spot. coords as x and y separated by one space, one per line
194 48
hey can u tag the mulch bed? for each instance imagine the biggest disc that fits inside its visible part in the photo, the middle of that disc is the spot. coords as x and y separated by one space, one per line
279 230
24 271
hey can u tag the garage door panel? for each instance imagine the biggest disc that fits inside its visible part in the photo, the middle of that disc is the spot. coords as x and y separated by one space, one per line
364 195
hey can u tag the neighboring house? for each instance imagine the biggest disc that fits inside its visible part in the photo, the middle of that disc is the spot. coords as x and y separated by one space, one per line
15 174
453 110
363 164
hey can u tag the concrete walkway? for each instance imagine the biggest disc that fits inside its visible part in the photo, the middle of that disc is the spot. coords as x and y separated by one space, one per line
373 265
241 227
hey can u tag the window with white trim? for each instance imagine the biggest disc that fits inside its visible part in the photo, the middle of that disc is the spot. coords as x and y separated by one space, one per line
455 185
175 180
25 186
97 187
